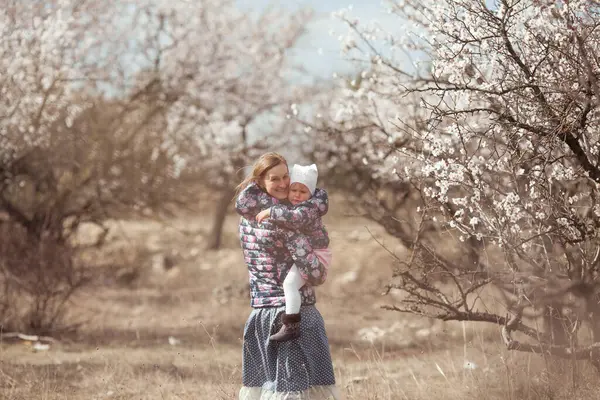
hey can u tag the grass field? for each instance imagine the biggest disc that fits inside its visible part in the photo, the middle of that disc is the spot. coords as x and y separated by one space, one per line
148 333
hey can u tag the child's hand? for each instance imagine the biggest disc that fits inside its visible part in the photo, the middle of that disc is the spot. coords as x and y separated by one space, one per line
263 214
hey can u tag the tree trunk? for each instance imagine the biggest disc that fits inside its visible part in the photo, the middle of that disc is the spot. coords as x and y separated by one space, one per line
555 326
215 238
556 329
593 308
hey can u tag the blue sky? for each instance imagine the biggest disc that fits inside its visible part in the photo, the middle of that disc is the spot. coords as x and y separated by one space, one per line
318 51
331 60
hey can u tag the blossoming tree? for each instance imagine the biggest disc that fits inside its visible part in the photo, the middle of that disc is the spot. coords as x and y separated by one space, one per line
497 135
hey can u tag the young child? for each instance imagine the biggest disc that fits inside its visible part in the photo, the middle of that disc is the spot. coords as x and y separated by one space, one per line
304 216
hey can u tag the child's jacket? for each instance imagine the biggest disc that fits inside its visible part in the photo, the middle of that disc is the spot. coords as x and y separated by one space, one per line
305 217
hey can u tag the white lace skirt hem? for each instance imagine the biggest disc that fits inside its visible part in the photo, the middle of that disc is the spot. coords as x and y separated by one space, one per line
314 393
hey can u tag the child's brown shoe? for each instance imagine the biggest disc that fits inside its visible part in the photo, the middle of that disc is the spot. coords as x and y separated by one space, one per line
289 330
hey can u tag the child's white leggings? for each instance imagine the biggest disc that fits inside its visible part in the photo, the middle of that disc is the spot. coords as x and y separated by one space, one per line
291 290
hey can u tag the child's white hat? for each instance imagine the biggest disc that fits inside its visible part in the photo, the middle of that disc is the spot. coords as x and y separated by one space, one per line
307 175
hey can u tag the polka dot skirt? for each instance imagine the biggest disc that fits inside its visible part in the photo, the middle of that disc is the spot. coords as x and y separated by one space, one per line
293 366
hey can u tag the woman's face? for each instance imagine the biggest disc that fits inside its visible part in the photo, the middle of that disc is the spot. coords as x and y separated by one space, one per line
277 181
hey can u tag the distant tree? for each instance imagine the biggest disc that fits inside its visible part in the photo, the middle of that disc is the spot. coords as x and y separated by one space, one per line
223 71
93 126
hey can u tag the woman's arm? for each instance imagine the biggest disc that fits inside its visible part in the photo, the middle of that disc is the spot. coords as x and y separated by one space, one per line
303 214
252 200
308 264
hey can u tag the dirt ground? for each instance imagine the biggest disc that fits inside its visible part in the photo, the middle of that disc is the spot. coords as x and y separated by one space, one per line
150 332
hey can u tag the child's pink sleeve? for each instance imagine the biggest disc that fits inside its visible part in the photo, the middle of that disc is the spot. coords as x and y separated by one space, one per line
324 255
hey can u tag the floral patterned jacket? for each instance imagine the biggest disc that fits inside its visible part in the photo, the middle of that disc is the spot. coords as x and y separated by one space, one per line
306 218
271 250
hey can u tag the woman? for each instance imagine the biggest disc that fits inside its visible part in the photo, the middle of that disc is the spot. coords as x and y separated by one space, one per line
300 368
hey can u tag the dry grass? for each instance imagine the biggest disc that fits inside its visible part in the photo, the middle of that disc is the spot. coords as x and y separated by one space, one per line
177 334
161 371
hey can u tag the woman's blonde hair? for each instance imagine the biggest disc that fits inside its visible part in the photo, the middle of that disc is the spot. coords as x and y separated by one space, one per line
260 169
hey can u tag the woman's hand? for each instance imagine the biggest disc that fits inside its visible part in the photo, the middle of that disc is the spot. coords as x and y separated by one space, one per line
263 215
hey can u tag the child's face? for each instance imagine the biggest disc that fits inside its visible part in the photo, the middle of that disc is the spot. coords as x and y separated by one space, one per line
298 193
